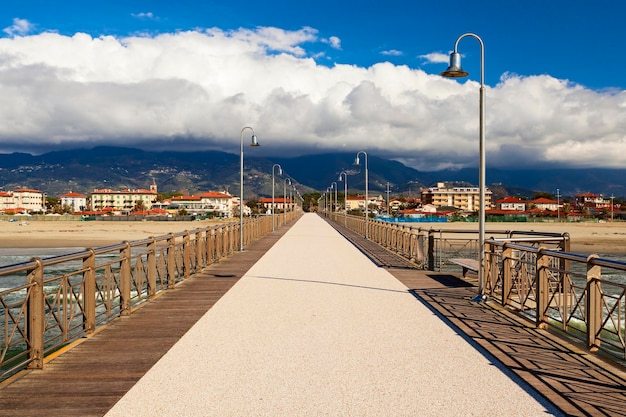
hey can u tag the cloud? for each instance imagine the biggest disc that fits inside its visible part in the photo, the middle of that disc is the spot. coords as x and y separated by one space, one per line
19 27
334 42
196 89
392 52
144 16
435 58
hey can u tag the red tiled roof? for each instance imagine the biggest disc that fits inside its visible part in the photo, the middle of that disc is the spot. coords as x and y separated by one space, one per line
215 194
187 198
510 200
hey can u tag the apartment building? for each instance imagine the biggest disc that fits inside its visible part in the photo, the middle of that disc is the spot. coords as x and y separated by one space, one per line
123 200
22 200
463 198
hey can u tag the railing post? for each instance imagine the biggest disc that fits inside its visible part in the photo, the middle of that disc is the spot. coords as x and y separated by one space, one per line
199 249
36 312
89 292
186 255
125 278
171 261
152 267
594 303
431 250
507 276
543 289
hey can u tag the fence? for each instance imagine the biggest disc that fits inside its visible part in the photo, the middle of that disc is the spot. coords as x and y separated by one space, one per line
531 273
60 299
583 296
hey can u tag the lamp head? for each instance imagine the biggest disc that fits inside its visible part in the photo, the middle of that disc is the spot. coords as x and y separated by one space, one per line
280 170
254 141
356 160
454 70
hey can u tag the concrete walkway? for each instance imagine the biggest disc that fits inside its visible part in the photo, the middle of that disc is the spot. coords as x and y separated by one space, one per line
314 328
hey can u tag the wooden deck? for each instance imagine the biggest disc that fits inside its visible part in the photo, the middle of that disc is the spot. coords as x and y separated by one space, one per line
577 382
91 377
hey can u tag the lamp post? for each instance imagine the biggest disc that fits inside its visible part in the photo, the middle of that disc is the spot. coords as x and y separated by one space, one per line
345 196
253 142
357 162
280 172
388 191
334 185
455 71
285 199
558 205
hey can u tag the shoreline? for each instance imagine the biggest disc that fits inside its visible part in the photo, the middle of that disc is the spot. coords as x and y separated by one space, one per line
586 238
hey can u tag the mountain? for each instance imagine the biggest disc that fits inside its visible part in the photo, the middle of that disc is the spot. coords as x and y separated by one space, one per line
83 170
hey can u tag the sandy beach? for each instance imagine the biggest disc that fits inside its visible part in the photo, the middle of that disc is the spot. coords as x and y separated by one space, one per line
53 234
609 238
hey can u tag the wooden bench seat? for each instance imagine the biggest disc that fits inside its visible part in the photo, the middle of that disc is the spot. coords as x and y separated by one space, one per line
468 265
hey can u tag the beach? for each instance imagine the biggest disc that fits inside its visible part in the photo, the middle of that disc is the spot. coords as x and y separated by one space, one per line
89 234
603 238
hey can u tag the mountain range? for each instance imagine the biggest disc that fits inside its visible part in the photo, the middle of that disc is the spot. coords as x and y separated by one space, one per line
83 170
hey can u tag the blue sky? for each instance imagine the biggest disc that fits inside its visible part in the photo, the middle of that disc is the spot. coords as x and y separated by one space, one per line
318 76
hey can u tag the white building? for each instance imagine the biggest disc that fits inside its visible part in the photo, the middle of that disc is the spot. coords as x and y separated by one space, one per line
219 203
77 201
23 200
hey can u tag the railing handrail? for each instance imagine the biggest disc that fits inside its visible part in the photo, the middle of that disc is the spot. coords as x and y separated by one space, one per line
52 309
534 278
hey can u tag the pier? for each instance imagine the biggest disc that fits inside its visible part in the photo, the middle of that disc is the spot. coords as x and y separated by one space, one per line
311 321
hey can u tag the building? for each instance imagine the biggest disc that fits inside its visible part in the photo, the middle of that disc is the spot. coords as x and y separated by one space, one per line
511 203
463 198
357 202
279 203
22 200
543 203
124 200
592 200
7 203
77 201
219 203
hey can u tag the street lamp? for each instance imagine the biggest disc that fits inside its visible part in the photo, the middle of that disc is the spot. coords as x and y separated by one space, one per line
280 172
357 162
455 71
253 142
334 185
345 196
285 198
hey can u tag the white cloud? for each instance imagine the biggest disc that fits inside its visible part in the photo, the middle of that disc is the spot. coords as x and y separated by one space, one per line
197 89
144 15
334 42
392 52
435 58
19 27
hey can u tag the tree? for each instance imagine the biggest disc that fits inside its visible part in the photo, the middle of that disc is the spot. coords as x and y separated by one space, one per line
542 194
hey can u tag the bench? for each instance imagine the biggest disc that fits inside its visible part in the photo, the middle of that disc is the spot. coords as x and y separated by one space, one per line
468 265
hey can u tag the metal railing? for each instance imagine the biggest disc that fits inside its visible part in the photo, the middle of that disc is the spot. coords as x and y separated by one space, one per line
531 273
45 304
577 294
